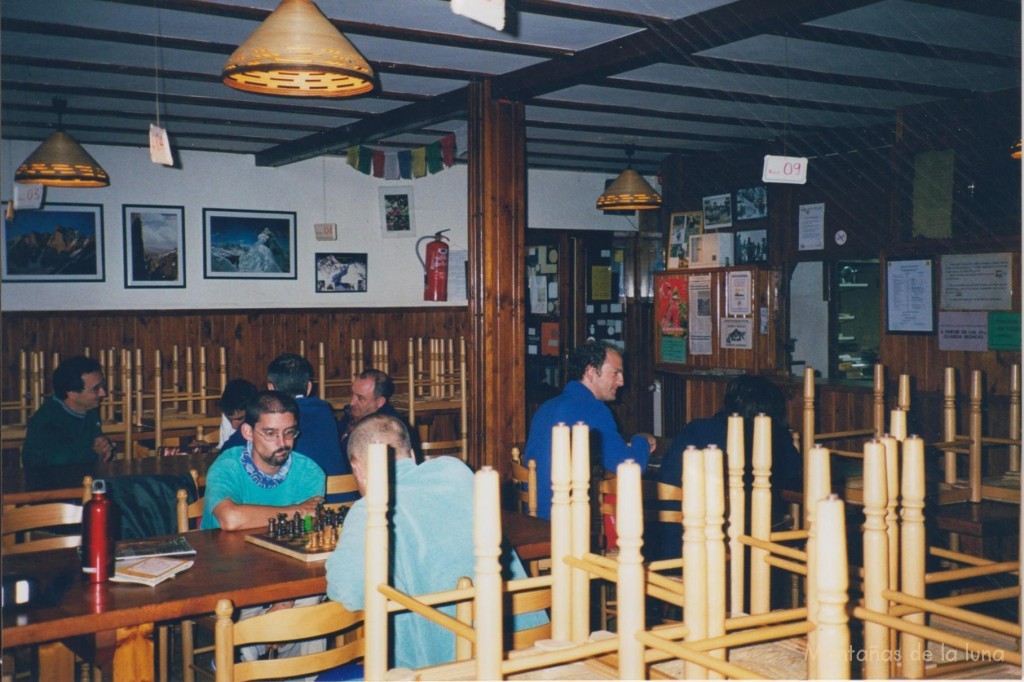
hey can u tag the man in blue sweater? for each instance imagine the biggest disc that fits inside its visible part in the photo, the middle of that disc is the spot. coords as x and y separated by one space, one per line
292 374
595 371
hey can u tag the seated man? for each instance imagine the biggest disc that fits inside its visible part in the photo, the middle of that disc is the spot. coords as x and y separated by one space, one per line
233 398
249 484
747 395
595 370
432 540
371 394
66 428
292 374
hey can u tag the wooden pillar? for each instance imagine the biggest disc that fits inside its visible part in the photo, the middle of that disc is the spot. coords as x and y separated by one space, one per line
497 225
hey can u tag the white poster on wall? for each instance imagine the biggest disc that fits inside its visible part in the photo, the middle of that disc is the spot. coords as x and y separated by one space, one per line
736 333
699 287
977 281
811 227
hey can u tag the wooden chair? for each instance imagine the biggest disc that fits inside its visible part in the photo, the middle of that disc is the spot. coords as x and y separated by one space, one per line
976 487
517 603
286 625
336 390
895 581
437 383
36 517
183 402
662 503
188 515
524 485
341 484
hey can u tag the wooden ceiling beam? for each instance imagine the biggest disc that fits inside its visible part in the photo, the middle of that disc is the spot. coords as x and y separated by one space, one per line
717 26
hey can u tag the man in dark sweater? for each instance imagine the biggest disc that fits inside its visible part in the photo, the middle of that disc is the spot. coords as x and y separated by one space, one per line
66 428
371 394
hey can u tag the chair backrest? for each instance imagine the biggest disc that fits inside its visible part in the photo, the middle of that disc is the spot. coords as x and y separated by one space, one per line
284 625
37 517
341 484
186 512
437 448
524 484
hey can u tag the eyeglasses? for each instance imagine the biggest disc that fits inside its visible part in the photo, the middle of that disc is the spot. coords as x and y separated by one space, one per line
274 434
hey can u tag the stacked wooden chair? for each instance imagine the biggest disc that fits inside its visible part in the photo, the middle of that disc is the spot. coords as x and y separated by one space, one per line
895 605
975 488
16 411
337 390
437 383
184 402
574 565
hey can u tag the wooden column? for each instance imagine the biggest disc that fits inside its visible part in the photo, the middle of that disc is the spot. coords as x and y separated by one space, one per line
497 225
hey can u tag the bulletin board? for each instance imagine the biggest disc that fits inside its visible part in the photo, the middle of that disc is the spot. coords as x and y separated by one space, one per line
713 319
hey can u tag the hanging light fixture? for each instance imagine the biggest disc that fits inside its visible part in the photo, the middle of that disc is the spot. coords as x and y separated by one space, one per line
297 51
629 191
60 161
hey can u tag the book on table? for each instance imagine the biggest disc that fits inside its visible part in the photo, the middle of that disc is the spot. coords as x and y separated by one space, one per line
151 570
141 549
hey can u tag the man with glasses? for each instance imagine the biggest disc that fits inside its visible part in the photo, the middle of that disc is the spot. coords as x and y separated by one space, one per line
251 483
66 428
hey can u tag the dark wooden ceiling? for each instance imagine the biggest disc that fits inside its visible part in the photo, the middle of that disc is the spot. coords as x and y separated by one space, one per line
806 77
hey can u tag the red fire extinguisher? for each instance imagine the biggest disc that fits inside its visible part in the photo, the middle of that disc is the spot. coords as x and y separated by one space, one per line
98 535
435 267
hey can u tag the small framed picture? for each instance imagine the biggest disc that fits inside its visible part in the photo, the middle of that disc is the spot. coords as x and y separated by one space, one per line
248 244
750 246
340 273
154 246
396 214
752 203
57 243
717 211
680 227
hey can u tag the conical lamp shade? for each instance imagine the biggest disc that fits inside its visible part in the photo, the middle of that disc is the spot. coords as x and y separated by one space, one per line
297 51
629 192
61 162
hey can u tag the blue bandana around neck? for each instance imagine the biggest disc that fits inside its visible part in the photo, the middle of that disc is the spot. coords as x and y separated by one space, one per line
258 477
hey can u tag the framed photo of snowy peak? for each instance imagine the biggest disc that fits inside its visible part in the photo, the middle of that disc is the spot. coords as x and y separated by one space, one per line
57 243
248 244
340 273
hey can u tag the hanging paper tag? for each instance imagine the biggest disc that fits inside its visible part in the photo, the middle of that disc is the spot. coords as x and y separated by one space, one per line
27 197
488 12
159 146
790 170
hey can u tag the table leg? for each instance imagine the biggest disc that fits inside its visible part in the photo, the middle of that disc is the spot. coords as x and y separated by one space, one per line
56 662
133 658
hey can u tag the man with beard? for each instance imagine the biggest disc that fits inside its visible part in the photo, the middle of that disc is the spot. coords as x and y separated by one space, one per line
251 483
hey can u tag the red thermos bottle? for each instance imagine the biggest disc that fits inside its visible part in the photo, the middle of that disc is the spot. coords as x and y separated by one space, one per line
98 535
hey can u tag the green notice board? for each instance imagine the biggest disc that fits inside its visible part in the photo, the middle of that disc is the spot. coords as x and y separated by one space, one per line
1003 331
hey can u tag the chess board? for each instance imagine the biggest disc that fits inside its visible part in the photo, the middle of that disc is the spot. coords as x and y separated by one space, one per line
296 549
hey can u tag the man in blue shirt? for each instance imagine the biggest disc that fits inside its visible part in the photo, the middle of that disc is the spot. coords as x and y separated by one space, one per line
595 371
292 374
432 540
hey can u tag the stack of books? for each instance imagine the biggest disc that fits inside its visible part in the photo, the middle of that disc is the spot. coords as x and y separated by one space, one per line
150 562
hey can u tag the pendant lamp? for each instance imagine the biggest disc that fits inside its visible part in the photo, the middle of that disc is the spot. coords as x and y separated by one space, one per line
629 192
296 51
61 162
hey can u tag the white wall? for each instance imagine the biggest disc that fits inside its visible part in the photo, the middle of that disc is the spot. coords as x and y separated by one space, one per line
568 201
319 190
808 317
322 190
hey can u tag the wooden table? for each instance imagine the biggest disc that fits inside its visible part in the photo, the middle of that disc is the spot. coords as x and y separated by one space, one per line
226 567
47 484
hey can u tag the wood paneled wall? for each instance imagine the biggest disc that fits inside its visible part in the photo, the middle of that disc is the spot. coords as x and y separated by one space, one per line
252 338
